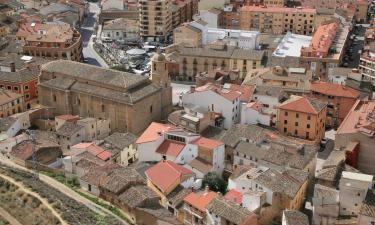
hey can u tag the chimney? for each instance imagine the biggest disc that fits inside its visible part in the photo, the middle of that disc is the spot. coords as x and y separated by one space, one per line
12 66
192 89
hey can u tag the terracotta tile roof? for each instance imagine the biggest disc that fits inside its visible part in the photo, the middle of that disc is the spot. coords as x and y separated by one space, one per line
234 195
166 173
170 148
334 90
104 155
207 143
94 150
201 165
303 104
245 90
7 96
153 132
359 119
200 200
226 93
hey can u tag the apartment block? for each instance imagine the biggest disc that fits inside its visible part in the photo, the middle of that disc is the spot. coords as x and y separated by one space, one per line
155 19
302 117
183 11
367 64
51 41
278 20
326 49
10 103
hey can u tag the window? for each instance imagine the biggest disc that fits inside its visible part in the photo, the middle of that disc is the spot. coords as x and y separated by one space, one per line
27 96
295 132
26 87
15 88
103 108
286 113
54 98
308 125
308 117
9 87
285 121
307 135
296 124
150 108
297 115
285 130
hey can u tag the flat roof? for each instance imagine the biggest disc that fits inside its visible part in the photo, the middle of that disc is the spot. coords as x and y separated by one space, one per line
291 45
357 176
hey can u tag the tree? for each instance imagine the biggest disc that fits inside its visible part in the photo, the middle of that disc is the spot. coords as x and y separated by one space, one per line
214 182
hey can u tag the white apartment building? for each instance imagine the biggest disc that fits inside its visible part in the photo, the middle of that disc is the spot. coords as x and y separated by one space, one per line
367 66
224 102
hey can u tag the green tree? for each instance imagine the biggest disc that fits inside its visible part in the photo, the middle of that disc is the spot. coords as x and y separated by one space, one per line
214 182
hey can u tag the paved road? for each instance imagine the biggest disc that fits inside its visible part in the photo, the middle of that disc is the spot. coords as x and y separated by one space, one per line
359 32
87 31
65 190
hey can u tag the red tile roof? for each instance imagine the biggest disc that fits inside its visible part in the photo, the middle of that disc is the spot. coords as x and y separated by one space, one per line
246 91
234 195
94 150
153 132
200 200
171 148
302 104
105 155
166 173
334 90
231 95
207 143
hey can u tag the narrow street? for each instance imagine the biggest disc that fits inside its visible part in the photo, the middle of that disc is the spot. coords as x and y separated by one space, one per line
87 32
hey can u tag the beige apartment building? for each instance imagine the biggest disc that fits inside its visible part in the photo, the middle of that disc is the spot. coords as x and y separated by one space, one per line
278 19
192 61
302 117
155 19
51 41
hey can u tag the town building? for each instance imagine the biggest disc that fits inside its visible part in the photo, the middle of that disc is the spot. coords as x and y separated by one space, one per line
129 101
326 205
254 113
226 212
230 18
121 30
122 146
366 213
10 103
208 35
95 128
210 17
302 117
358 127
326 48
292 80
52 41
291 217
155 18
367 64
218 76
83 156
46 153
278 20
291 45
353 189
70 134
20 74
283 190
9 127
223 101
195 205
183 11
192 61
339 98
165 176
210 157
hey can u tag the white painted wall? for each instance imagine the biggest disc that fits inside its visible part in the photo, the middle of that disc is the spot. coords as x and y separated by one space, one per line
229 110
218 159
188 153
252 116
146 151
7 144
